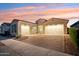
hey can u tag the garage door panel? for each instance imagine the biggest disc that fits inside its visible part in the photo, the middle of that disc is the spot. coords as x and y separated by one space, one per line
54 29
25 30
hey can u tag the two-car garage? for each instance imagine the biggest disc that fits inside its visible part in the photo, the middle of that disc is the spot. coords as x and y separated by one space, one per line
54 29
55 26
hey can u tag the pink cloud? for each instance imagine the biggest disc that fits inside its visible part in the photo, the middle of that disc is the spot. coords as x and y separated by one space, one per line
34 15
27 8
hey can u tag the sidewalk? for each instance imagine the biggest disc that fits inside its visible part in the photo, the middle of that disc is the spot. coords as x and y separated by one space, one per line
25 49
6 51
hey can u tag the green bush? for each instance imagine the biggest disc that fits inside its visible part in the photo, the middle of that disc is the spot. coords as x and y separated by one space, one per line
73 35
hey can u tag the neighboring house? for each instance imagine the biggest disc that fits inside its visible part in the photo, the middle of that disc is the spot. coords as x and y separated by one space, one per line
0 29
21 28
75 25
40 28
55 26
5 28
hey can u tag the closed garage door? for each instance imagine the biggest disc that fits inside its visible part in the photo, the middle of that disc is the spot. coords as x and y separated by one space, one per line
25 30
54 29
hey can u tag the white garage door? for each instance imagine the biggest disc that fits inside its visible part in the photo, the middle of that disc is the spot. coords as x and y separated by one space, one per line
54 29
25 30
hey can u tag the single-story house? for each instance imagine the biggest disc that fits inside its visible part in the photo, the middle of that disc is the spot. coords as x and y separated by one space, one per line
55 26
5 28
75 25
22 28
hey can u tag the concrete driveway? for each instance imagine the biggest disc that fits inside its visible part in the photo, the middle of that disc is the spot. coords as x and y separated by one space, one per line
25 49
53 42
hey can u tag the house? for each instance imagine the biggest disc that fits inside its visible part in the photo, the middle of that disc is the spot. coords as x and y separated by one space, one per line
75 25
22 28
5 28
0 29
40 29
55 26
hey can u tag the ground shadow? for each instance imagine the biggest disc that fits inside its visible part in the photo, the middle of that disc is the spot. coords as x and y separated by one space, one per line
4 37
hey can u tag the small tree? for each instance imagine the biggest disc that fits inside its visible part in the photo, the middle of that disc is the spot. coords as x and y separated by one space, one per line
73 35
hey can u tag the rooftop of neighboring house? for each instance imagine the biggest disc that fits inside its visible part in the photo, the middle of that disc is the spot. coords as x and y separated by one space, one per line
8 24
75 24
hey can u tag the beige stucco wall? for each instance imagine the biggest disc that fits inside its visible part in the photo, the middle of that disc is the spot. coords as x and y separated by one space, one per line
40 26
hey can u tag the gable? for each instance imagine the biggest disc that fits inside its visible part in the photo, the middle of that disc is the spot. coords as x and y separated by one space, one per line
56 21
41 21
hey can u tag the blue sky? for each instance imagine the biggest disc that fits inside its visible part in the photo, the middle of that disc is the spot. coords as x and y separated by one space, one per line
4 6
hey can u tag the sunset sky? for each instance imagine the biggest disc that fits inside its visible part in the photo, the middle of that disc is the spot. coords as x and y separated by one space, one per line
34 11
